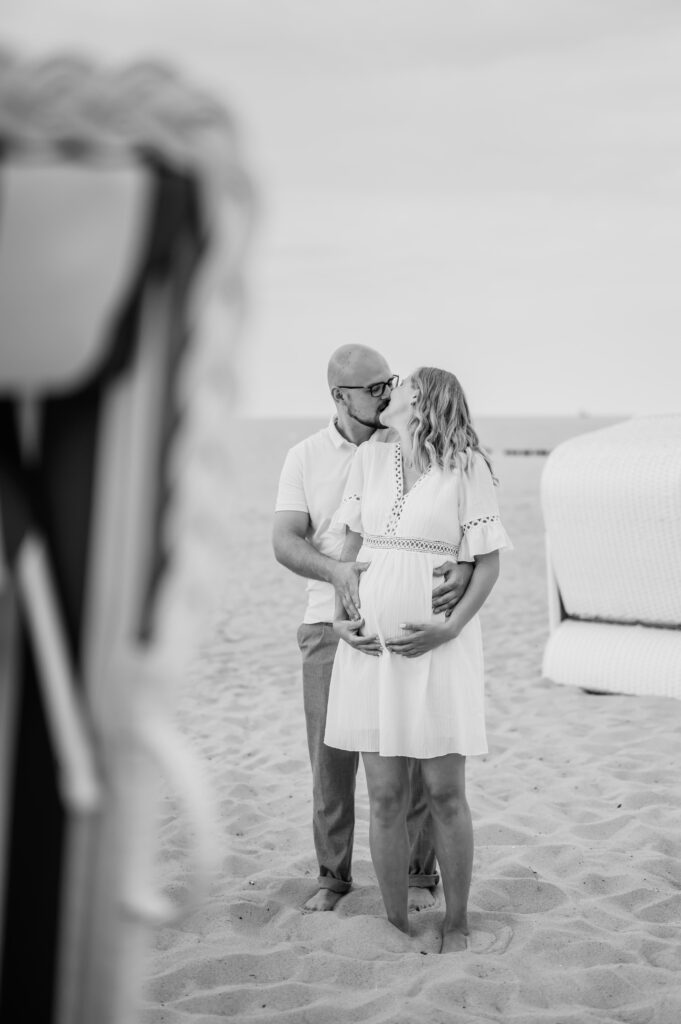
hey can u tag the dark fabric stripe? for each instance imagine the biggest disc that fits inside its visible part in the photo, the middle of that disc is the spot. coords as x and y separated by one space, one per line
35 853
188 238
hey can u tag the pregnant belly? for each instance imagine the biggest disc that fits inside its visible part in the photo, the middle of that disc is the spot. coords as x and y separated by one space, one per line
397 587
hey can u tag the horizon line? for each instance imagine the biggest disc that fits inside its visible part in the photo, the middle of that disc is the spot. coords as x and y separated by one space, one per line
485 415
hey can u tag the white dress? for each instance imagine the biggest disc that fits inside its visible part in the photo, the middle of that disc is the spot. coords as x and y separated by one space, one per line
433 704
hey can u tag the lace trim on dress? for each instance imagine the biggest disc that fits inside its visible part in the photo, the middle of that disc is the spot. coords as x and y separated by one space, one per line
479 522
400 499
422 544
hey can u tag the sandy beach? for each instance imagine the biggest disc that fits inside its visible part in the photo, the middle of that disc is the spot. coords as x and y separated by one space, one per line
487 187
576 896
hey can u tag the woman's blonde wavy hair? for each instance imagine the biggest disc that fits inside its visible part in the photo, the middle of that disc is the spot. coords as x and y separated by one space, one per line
440 426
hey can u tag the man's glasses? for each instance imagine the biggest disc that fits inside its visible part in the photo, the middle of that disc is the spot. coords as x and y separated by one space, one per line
376 390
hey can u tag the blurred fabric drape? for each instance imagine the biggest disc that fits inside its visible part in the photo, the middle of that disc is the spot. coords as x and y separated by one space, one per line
125 210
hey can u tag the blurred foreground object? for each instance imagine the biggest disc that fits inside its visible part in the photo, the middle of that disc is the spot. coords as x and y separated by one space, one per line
125 215
612 509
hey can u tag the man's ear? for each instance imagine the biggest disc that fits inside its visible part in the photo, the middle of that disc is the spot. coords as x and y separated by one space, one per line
337 396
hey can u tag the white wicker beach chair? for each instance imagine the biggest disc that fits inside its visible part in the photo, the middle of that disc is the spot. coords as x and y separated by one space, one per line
611 501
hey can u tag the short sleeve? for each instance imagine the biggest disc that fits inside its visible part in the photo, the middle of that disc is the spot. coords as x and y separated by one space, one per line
481 527
291 493
349 512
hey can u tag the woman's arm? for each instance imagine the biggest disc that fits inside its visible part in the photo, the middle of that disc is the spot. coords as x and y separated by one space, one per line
426 636
485 575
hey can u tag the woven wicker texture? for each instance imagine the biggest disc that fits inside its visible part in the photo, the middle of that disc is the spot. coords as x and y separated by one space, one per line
618 659
68 124
612 509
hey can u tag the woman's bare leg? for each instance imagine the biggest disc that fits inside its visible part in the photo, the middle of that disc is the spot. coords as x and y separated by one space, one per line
444 779
388 785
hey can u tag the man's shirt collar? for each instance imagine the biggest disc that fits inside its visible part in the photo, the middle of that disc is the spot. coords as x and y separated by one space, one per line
338 440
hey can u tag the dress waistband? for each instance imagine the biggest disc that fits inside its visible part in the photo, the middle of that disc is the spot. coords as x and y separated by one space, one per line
433 547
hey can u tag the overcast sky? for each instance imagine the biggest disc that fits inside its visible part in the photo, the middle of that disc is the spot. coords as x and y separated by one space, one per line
485 185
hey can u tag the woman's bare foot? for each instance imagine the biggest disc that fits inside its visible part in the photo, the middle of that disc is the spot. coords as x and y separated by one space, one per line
323 899
392 939
420 898
401 924
454 940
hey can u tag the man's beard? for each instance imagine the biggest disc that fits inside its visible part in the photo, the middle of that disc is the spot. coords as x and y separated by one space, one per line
368 423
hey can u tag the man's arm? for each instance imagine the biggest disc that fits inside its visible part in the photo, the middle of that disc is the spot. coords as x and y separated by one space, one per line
348 628
351 546
293 550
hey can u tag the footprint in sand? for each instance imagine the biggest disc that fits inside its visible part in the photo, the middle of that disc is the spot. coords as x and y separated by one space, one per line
481 941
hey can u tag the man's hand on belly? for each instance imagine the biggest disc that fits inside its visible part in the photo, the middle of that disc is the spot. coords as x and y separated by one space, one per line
457 577
345 578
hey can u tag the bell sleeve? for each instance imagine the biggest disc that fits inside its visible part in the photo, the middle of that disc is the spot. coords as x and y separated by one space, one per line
481 528
349 512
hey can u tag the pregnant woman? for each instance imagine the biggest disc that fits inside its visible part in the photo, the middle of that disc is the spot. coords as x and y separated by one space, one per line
408 683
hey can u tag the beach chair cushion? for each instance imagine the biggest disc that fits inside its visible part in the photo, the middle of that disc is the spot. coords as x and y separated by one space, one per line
611 501
615 658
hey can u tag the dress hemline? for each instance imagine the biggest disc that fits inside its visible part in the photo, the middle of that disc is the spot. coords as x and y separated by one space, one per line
448 747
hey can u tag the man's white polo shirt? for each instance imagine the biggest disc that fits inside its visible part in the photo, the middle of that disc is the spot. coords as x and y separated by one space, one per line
313 480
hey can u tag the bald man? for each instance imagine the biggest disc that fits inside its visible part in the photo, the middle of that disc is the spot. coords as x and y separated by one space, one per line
310 490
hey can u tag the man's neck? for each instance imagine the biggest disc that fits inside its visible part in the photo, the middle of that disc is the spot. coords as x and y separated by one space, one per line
353 431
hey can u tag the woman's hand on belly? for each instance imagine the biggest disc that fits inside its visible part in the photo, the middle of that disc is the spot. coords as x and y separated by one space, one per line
348 630
422 637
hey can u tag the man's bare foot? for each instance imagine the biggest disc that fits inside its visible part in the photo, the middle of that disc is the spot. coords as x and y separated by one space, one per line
454 941
323 899
420 898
